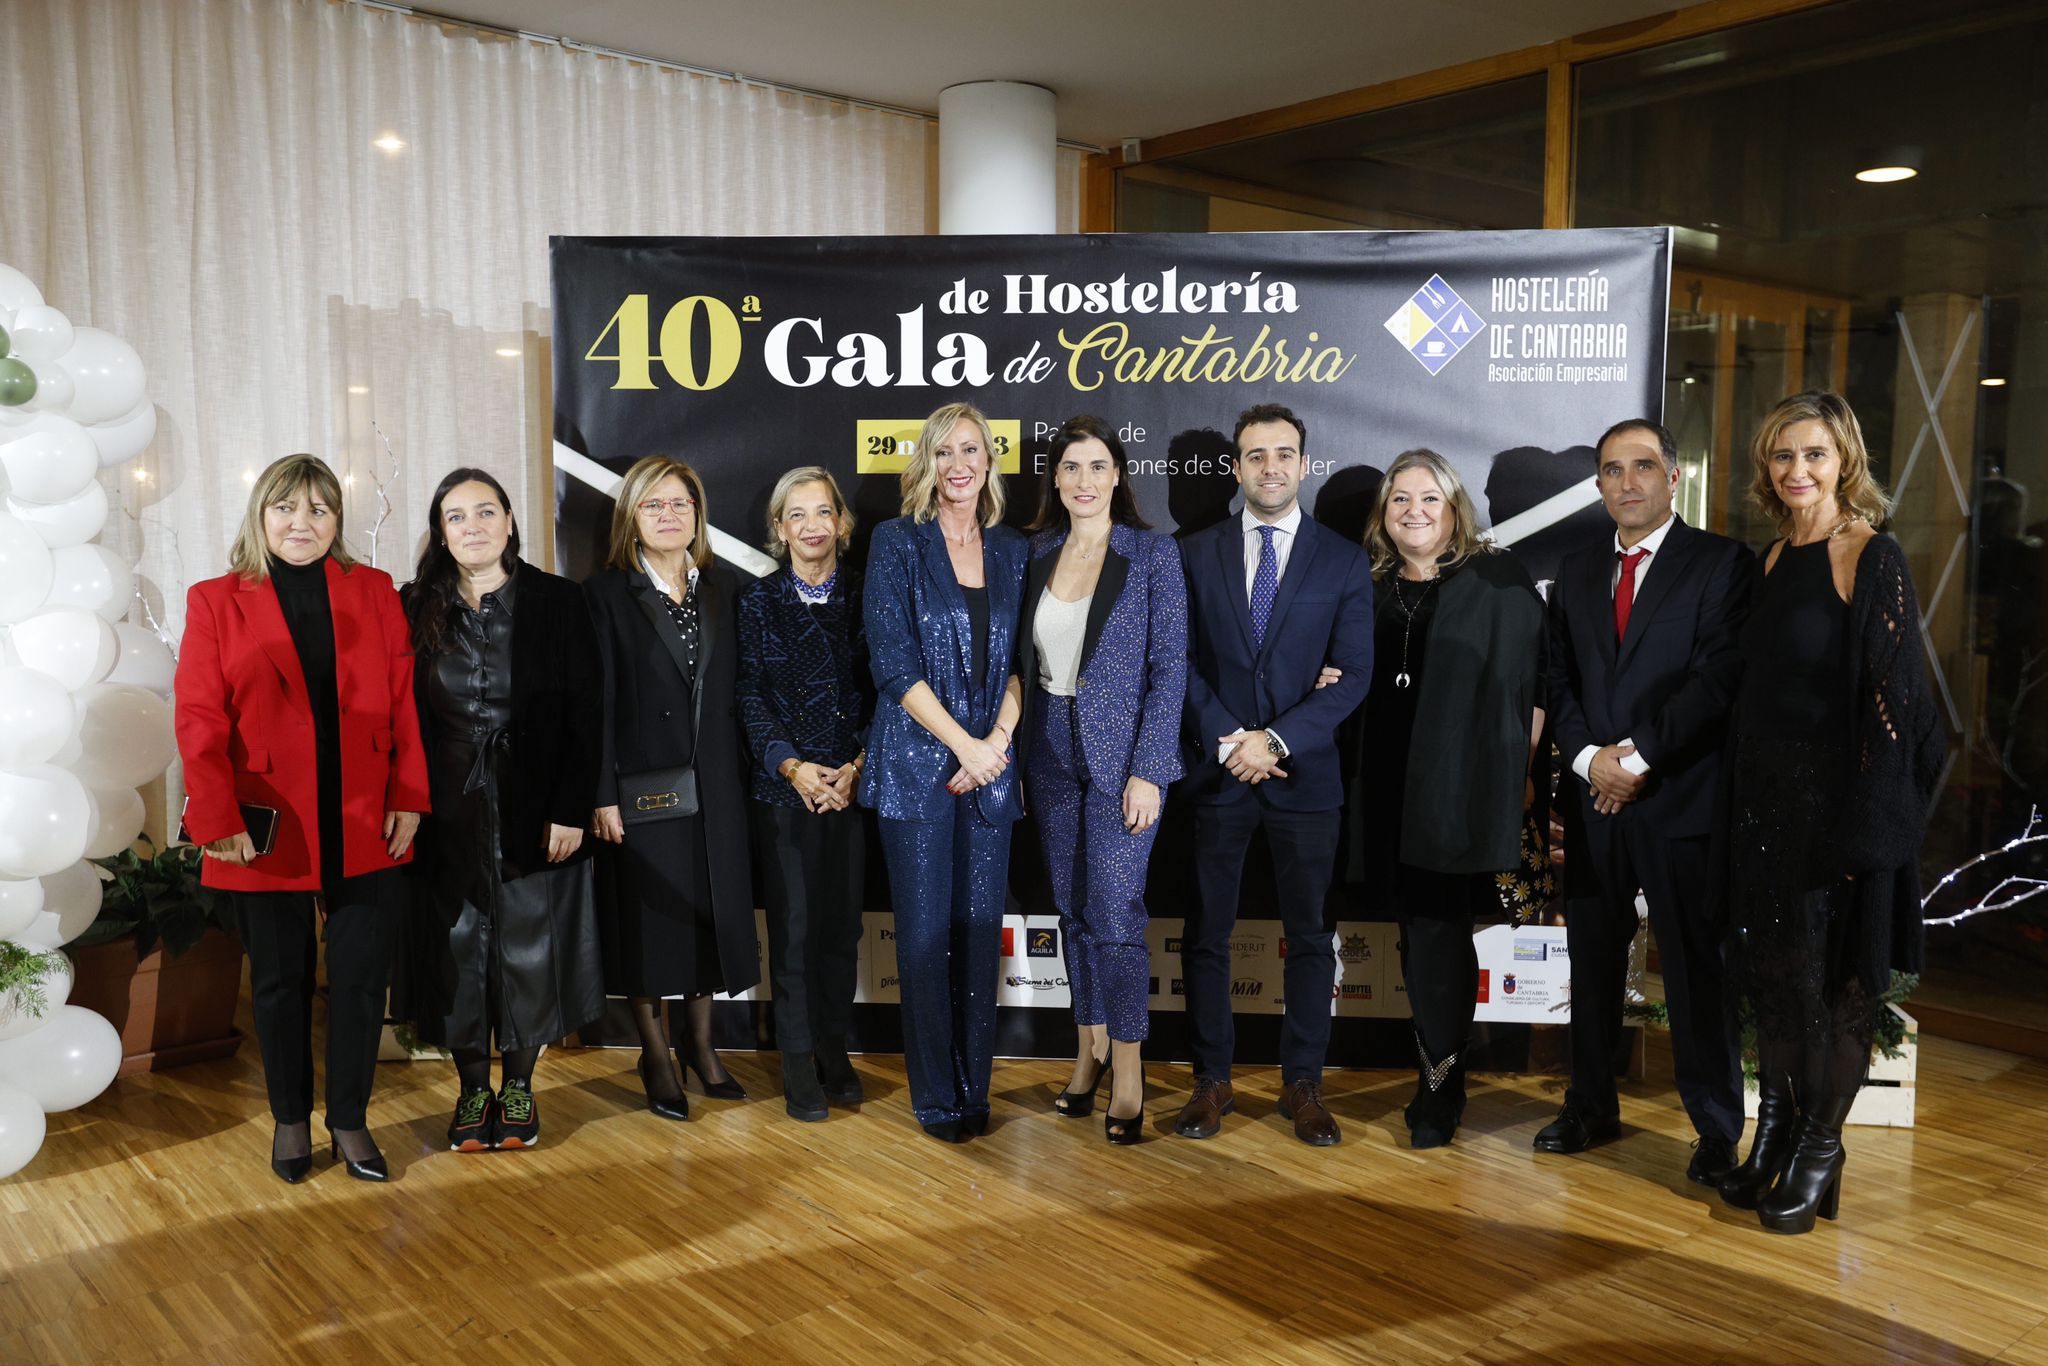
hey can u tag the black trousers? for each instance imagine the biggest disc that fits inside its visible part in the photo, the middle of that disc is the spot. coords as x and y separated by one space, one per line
1706 1059
1304 847
280 932
1439 964
813 870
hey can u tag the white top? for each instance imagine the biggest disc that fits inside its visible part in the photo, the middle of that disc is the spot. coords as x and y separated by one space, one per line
666 588
1283 544
1582 762
1058 630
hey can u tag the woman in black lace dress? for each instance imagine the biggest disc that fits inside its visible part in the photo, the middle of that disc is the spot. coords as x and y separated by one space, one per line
1837 750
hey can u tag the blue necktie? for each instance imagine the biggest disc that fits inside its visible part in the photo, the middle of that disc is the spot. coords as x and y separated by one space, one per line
1265 583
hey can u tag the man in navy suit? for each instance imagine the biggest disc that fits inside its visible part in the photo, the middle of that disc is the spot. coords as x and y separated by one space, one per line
1644 663
1273 596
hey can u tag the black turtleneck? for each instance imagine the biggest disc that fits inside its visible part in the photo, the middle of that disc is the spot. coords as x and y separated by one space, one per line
302 593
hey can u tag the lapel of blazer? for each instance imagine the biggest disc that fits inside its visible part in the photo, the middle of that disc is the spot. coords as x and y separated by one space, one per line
1037 574
1116 568
264 617
1594 593
1300 563
1004 586
648 598
353 624
1230 550
939 565
1677 549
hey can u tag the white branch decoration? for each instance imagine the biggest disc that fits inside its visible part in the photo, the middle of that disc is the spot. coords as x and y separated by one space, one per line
1990 901
383 501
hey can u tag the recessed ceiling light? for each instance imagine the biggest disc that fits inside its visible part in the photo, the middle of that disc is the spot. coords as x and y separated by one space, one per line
1888 165
1885 175
1992 383
510 352
359 388
1692 379
391 143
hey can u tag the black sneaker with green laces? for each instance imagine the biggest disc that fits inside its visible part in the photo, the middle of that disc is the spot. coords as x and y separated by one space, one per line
518 1116
470 1130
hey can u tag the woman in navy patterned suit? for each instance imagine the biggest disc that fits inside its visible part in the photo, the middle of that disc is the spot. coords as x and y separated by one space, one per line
1105 632
805 699
943 585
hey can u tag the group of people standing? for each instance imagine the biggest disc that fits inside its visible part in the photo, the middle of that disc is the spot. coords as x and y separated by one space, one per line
1752 746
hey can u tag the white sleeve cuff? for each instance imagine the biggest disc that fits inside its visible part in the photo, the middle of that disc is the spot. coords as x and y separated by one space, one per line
1634 763
1583 763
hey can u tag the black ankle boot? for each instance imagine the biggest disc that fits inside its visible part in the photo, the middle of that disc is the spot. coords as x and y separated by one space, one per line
1439 1102
802 1096
1777 1134
836 1075
1812 1183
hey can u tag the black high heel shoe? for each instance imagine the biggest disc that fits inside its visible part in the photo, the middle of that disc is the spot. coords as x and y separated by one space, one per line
291 1170
1080 1104
1812 1184
1125 1130
677 1109
369 1169
729 1089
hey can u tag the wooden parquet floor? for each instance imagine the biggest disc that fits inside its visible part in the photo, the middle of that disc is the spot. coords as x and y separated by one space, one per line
150 1229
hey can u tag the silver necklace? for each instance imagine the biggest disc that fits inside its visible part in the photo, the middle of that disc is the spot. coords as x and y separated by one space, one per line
1403 678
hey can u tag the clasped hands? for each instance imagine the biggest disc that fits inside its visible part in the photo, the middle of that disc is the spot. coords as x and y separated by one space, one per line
1613 786
981 762
823 789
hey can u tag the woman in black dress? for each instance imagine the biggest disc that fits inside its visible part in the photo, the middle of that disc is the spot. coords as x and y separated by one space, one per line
505 946
1450 726
676 898
1837 751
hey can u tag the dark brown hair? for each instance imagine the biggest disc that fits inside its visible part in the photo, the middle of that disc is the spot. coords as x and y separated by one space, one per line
1123 506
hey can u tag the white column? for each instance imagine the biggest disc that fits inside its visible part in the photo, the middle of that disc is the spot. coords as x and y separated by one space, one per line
997 163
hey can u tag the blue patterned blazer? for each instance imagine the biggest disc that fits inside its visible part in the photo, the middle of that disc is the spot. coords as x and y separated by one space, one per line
1134 655
918 632
804 689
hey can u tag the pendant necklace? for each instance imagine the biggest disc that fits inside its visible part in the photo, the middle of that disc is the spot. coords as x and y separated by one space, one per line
1403 679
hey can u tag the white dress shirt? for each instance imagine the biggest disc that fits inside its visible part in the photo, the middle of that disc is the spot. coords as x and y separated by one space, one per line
1283 546
1649 545
666 588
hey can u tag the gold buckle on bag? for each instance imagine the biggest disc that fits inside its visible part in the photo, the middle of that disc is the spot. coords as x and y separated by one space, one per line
656 801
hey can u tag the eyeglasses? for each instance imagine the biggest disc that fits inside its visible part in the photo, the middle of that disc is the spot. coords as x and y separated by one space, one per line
653 506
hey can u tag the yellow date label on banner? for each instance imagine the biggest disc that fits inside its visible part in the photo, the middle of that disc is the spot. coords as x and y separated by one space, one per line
885 446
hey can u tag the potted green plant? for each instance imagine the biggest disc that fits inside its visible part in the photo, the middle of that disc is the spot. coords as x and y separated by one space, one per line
161 961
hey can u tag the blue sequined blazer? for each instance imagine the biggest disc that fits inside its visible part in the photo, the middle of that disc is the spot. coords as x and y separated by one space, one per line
804 689
1134 655
918 631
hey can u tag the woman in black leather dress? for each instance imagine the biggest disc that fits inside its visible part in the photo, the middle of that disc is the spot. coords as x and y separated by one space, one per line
507 944
1837 749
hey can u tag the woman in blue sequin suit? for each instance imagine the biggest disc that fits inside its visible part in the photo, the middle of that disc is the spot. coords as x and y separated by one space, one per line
1104 628
943 586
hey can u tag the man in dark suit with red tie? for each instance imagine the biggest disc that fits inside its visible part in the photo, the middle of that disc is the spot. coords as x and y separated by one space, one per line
1643 667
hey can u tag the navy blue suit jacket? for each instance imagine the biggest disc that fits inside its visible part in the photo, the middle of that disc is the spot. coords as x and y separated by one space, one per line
918 632
1322 614
799 697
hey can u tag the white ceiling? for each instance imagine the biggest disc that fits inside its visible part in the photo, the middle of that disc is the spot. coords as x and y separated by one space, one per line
1121 68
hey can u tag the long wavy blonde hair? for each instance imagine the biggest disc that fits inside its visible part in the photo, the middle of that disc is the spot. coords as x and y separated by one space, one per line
921 474
1857 491
1465 538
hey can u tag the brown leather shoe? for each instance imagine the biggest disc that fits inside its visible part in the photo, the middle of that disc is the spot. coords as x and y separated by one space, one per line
1202 1116
1302 1102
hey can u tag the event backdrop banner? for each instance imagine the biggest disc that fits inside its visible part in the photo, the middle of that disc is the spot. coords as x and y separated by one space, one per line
1508 352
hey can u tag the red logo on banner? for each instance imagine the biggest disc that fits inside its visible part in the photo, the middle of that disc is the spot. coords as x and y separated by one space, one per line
1485 982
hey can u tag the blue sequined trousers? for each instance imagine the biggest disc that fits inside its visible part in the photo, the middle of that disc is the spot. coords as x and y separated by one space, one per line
1097 870
947 881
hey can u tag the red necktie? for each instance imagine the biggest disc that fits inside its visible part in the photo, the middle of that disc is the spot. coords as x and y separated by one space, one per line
1625 591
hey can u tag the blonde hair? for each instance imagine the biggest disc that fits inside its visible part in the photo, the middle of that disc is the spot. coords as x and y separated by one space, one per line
1857 491
281 482
1465 538
921 475
648 471
778 503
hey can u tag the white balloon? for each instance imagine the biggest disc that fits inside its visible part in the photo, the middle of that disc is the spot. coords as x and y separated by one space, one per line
50 460
109 375
72 1058
70 644
17 291
25 569
55 388
36 716
74 521
21 1123
127 736
120 820
144 660
92 577
71 902
16 1021
46 817
40 332
125 437
20 904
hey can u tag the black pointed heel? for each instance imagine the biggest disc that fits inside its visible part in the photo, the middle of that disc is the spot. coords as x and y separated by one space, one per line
369 1169
677 1109
729 1089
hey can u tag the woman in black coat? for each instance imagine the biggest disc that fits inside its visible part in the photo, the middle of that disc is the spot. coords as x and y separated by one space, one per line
507 946
676 898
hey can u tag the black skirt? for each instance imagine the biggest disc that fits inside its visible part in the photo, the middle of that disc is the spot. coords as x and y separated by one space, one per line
658 923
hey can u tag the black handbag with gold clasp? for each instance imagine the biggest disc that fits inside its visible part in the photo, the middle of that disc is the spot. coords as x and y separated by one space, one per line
662 794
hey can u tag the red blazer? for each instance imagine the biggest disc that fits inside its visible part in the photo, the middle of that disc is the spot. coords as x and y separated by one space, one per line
245 725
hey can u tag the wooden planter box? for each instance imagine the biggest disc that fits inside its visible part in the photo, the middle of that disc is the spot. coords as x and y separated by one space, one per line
1886 1099
168 1012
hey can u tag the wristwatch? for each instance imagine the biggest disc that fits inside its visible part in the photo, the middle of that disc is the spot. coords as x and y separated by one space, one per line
1273 746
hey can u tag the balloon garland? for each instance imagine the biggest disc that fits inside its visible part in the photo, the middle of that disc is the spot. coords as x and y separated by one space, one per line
84 713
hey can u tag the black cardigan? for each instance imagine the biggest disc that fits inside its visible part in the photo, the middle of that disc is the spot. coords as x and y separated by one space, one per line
557 719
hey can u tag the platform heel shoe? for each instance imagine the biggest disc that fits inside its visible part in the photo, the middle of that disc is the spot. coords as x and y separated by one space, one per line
1080 1104
1125 1130
1770 1148
1812 1184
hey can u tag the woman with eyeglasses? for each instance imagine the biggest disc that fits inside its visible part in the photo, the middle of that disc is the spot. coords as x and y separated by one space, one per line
676 897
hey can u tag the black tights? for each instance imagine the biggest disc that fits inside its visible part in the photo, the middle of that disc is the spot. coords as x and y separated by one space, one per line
665 1082
473 1066
1814 1020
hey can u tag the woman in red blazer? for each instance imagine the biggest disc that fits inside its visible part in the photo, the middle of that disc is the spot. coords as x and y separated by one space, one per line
294 693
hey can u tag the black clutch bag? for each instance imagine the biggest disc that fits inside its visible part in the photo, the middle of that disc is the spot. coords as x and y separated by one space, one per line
662 794
259 821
